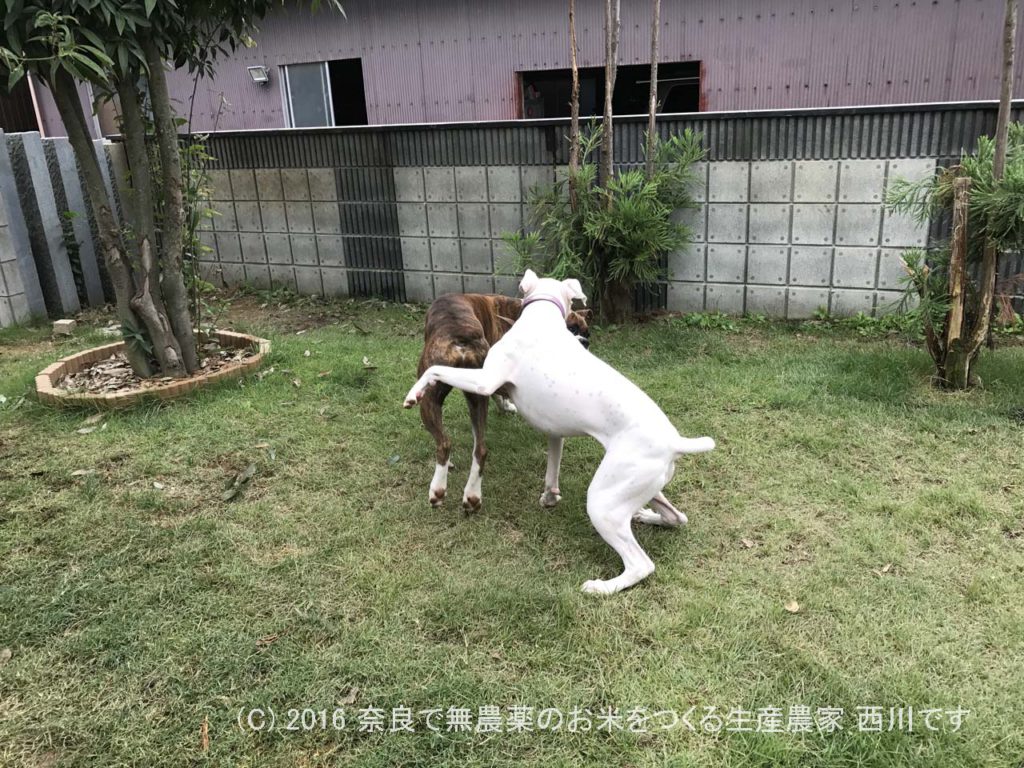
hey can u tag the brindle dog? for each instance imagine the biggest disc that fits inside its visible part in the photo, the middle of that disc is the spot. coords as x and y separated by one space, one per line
460 329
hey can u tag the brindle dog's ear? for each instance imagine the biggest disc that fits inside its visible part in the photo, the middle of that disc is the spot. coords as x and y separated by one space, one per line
586 314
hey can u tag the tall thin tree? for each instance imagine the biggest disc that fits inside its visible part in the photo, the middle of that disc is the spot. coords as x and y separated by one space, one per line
574 109
961 356
611 55
652 108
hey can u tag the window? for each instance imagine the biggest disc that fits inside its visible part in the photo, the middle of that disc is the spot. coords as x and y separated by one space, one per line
324 93
546 93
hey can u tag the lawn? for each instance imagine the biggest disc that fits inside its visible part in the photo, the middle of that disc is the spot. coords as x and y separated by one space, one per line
143 612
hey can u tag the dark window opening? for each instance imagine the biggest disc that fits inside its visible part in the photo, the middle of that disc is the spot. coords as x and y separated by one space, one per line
546 93
348 92
325 93
16 111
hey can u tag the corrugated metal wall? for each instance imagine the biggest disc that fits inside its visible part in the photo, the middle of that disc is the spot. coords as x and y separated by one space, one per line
939 131
431 61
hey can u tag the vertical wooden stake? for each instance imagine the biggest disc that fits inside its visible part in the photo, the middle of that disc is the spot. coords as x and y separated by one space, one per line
574 109
653 97
957 260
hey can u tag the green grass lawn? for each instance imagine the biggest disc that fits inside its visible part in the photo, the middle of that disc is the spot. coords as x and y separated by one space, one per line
891 513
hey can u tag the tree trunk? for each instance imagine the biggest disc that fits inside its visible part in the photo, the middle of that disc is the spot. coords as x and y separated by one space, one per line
990 255
173 209
617 301
611 52
653 105
65 94
148 299
574 110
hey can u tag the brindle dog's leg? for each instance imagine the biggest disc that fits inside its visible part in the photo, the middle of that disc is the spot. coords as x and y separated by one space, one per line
431 413
473 494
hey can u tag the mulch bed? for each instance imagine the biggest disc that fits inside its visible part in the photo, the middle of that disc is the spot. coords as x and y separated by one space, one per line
115 375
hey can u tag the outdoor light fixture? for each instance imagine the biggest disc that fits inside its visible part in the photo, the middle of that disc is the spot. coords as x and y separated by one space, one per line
259 75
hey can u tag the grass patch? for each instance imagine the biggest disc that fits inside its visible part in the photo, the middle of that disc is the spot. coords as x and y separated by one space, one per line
890 512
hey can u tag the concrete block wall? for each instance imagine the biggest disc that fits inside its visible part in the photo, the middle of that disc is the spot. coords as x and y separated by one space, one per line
789 218
786 238
318 231
451 220
782 238
276 228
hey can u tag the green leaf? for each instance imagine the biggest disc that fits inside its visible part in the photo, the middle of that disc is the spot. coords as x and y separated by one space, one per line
92 37
12 80
88 63
13 14
150 5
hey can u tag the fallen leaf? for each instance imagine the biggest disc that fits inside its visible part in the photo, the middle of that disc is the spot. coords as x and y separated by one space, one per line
496 655
368 365
887 567
83 472
266 640
86 430
204 734
350 698
96 418
158 485
307 353
262 445
747 543
5 656
238 483
323 374
296 383
3 399
792 606
299 333
394 460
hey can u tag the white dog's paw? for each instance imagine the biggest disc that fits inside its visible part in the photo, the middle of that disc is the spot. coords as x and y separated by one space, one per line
436 497
648 516
598 587
471 504
505 405
550 498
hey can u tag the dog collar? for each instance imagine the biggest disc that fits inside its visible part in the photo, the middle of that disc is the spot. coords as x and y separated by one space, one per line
552 299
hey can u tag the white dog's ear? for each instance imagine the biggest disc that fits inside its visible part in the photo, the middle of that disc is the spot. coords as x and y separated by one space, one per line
574 290
529 281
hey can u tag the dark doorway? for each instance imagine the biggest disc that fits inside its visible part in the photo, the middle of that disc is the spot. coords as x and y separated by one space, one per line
348 92
546 93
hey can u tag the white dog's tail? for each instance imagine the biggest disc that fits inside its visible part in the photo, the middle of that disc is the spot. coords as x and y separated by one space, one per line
694 445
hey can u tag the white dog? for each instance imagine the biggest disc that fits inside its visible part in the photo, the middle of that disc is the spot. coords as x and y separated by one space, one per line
563 390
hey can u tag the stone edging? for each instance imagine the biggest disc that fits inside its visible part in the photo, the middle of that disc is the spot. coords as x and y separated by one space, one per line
47 378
